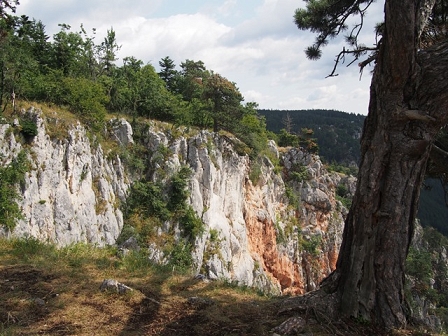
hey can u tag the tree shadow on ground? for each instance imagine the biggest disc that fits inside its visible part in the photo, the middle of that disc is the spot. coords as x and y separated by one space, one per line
195 307
35 301
28 295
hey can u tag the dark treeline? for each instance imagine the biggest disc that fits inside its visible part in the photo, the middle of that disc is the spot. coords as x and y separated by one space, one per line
75 71
337 133
433 210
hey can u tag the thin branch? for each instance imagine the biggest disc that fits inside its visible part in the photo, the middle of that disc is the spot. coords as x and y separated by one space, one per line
366 62
341 57
336 62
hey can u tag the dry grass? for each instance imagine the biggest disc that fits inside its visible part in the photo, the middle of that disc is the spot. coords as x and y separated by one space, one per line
49 291
58 120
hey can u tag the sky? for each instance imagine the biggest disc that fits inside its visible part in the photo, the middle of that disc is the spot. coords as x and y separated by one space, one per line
253 43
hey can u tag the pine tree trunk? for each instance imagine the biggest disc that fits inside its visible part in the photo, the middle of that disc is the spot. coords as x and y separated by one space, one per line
408 105
380 224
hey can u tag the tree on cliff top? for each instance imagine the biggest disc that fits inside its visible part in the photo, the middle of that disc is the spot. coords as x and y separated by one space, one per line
7 5
408 106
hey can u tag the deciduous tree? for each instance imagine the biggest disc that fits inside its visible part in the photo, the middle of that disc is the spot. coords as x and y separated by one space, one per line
226 102
18 59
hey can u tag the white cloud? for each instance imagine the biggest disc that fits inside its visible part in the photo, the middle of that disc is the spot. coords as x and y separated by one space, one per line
227 7
324 93
180 37
255 96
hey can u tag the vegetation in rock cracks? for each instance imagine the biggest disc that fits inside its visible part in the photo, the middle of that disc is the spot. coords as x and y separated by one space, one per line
12 174
150 205
426 276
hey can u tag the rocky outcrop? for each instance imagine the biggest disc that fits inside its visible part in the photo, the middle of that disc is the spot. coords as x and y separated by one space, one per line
72 192
297 244
279 231
260 238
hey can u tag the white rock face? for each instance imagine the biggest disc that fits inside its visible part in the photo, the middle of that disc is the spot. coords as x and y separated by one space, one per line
121 131
258 243
73 192
217 193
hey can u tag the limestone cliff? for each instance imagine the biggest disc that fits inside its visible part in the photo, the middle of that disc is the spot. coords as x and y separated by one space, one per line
71 194
278 230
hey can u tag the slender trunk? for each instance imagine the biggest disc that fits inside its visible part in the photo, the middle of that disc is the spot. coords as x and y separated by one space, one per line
2 82
215 124
408 106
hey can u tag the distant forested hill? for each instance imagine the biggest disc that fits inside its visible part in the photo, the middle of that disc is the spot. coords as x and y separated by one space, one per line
432 209
337 133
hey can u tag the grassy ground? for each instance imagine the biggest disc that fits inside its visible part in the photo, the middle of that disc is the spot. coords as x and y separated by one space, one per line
50 291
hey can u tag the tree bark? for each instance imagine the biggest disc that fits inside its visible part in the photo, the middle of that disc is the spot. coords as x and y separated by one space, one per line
408 106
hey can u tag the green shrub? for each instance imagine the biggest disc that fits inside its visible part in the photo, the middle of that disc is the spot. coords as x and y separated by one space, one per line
418 265
191 224
292 196
255 171
298 176
28 128
133 156
86 99
286 139
311 245
342 196
346 202
241 148
442 313
214 235
181 256
340 168
298 173
10 177
29 247
149 204
341 190
178 193
147 197
166 152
